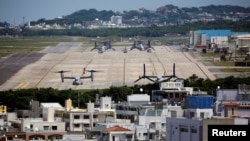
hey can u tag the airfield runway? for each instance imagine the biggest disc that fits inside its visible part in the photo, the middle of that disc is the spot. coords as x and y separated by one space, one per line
116 68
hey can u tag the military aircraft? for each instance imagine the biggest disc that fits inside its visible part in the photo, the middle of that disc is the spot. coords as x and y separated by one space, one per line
102 46
142 46
77 79
158 78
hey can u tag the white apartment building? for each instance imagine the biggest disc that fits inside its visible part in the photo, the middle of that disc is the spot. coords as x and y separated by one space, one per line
117 20
86 119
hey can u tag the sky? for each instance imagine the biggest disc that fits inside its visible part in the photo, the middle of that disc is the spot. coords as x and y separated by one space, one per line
19 11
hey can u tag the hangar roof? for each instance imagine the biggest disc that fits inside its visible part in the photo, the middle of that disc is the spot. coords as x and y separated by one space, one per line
210 33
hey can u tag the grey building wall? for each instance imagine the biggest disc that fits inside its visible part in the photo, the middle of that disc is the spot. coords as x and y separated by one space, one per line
182 129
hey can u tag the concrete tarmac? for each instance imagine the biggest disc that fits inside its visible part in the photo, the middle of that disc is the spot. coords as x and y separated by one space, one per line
116 68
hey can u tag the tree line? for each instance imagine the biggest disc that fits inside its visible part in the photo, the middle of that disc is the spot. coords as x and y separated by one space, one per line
151 31
20 98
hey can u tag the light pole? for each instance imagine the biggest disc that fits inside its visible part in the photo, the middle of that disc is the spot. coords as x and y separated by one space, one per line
141 90
235 50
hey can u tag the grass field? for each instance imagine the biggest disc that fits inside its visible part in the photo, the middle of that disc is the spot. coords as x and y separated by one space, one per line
10 45
230 63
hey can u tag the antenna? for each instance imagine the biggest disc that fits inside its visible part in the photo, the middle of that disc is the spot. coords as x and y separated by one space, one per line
23 20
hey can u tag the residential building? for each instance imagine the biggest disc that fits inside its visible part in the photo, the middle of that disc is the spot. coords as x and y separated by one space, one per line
183 129
173 92
86 119
189 127
233 102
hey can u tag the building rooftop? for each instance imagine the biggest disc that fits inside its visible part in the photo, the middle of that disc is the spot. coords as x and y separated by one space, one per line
116 129
219 32
231 104
54 105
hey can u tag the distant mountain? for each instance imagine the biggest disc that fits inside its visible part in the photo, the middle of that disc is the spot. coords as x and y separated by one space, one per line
163 15
90 15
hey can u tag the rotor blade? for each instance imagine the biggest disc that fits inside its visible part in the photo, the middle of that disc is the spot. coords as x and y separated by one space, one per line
174 69
150 76
92 77
138 79
69 77
62 77
62 71
168 78
83 77
173 75
144 69
150 79
92 71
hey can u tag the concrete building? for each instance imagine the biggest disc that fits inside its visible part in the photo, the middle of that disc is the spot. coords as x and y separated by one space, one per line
34 109
117 20
135 104
155 121
189 127
201 38
173 92
148 117
233 102
86 119
183 129
46 128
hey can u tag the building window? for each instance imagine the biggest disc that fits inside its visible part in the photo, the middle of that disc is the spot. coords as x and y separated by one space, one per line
192 115
163 124
232 111
86 125
184 128
54 127
202 115
76 117
177 95
86 117
171 95
76 125
129 137
45 127
106 106
193 130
